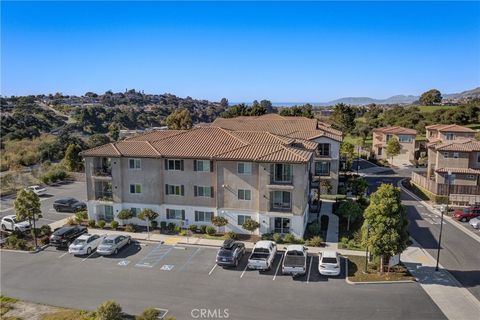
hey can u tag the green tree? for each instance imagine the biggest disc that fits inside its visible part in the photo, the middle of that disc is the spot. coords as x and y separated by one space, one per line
257 109
180 119
219 221
343 117
250 225
114 131
393 148
267 104
125 214
149 314
224 102
27 207
97 139
386 222
431 97
351 210
148 215
347 151
109 310
358 186
73 160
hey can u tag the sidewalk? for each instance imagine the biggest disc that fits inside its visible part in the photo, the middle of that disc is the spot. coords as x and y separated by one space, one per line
455 301
331 242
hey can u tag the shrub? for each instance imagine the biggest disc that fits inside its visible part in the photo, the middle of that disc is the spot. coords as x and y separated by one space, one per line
267 236
163 225
71 221
36 232
82 215
314 229
183 232
177 229
192 227
231 235
46 230
11 241
109 310
154 224
114 224
290 238
203 228
78 220
277 237
316 241
210 230
149 314
171 226
92 223
101 224
45 240
130 228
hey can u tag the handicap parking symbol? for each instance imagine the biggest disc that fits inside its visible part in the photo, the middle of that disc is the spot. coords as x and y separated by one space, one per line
167 267
124 263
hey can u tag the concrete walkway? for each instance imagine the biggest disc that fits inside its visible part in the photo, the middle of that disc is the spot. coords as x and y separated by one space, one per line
331 242
455 301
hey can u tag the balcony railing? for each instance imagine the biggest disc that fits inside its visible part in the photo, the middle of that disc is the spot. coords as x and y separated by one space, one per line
280 207
104 196
284 179
102 172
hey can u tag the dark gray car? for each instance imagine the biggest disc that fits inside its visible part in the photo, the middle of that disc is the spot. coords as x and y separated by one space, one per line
69 205
230 253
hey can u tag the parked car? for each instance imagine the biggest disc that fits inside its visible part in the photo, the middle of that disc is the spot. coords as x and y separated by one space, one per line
85 244
466 214
230 253
111 244
262 255
69 205
10 223
37 190
295 260
329 263
475 222
64 236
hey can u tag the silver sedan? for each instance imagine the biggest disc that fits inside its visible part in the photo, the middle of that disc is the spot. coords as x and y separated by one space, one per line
112 244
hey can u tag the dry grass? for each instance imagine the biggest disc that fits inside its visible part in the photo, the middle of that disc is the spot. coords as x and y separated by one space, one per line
356 266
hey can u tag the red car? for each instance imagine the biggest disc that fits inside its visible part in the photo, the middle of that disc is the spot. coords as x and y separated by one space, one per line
467 214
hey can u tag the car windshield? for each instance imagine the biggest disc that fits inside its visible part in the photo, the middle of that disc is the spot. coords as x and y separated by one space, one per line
79 241
225 253
329 260
466 210
14 220
108 241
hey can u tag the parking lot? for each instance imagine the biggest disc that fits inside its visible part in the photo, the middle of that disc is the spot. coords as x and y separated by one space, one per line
185 278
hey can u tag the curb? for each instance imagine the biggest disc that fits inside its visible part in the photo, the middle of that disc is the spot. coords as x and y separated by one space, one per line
354 283
198 245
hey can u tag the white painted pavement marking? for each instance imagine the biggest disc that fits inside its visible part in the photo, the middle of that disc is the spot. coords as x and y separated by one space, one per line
241 276
124 263
91 254
167 267
61 256
212 269
154 256
278 267
190 259
309 269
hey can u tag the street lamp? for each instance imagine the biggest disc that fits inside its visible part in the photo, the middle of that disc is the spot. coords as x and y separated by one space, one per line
443 209
366 249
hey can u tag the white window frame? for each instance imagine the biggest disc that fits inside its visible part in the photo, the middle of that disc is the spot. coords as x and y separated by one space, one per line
201 216
137 164
136 185
176 214
243 218
456 155
244 192
246 168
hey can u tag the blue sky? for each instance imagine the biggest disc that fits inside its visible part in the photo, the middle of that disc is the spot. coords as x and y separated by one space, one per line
281 51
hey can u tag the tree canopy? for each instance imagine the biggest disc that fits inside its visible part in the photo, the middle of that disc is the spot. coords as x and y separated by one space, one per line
431 97
393 147
180 119
343 117
27 205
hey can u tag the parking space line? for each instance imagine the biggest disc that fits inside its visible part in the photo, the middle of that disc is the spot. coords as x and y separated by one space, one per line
309 269
212 269
278 267
91 254
241 276
157 254
189 259
63 254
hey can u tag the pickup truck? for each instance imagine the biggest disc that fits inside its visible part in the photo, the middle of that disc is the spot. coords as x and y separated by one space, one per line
295 260
262 255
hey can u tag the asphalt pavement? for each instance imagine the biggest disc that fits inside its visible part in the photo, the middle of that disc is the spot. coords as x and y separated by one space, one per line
75 189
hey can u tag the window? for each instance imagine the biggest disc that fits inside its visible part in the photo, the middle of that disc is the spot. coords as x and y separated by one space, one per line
175 214
135 188
404 138
282 225
174 165
449 136
322 168
445 155
471 177
388 137
203 216
281 200
282 172
379 151
241 219
323 149
203 191
135 211
456 155
174 190
244 194
203 165
478 158
244 168
134 164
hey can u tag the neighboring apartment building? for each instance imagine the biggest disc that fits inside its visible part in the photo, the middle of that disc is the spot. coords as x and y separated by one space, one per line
405 136
200 173
452 149
326 158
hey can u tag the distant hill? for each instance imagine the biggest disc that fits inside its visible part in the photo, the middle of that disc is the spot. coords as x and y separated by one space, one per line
400 99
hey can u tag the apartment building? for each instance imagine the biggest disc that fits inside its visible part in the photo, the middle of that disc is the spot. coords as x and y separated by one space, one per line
453 164
326 158
405 136
200 173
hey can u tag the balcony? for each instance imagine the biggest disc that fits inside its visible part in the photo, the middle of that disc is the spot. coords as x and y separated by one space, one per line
280 207
281 180
104 196
102 172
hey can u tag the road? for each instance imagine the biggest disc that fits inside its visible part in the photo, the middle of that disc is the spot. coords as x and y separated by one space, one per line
72 189
185 279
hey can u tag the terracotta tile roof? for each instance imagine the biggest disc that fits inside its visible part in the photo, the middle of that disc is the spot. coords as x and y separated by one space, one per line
395 130
211 143
458 170
293 127
449 128
466 145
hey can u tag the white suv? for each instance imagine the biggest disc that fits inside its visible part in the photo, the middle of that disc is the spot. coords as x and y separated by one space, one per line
10 223
37 190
